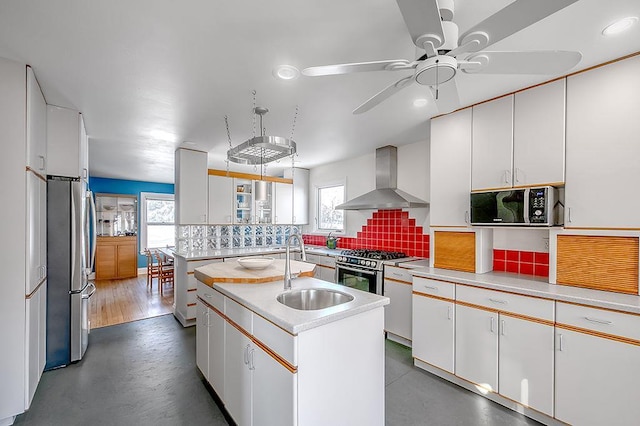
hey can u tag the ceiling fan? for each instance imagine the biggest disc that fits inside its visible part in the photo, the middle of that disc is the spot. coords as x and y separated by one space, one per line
430 24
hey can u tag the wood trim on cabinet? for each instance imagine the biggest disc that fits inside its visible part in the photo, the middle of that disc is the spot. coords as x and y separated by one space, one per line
508 188
190 273
431 296
527 318
38 175
598 334
191 304
598 307
248 176
507 292
599 229
292 369
472 305
325 266
30 295
397 281
192 289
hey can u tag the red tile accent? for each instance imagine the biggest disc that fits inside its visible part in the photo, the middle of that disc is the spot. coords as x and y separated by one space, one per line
526 256
526 268
541 270
500 254
513 255
499 265
512 267
542 258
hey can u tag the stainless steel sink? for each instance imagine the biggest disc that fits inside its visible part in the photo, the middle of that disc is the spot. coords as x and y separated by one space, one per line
311 299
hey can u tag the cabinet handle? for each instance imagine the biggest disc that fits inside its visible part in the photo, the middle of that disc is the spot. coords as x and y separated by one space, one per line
506 176
207 295
598 321
502 327
208 314
466 216
569 214
43 162
85 174
448 312
491 324
560 342
502 302
251 364
246 355
396 274
430 287
517 175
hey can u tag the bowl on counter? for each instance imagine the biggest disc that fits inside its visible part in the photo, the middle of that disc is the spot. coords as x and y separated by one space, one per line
255 262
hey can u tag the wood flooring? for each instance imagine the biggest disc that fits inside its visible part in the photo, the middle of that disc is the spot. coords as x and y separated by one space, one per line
126 300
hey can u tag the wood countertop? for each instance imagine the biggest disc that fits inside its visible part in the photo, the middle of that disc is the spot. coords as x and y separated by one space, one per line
232 272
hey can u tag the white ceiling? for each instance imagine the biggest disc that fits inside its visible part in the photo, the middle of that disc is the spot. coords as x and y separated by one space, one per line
149 75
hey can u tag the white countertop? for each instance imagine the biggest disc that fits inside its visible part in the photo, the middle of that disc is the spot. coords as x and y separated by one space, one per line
252 251
531 287
261 299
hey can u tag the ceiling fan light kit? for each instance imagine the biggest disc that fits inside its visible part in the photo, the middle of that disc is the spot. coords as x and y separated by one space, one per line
431 27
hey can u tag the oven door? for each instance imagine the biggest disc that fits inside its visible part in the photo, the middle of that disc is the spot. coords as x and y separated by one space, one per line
361 279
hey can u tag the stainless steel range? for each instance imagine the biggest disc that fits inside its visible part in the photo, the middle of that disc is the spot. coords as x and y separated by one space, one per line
362 269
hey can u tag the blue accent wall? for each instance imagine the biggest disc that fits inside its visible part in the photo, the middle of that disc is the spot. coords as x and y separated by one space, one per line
130 187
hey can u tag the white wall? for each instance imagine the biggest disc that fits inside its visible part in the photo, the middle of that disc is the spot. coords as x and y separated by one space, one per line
358 174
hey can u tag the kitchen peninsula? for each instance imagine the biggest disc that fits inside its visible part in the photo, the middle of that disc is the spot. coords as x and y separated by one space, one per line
270 363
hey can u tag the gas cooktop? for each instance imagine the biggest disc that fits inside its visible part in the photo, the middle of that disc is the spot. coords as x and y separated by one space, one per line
373 254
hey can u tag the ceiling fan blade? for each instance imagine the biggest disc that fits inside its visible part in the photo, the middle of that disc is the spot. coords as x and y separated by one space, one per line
537 62
447 96
356 67
384 94
423 19
513 18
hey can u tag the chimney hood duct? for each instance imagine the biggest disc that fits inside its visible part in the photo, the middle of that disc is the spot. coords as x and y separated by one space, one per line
386 196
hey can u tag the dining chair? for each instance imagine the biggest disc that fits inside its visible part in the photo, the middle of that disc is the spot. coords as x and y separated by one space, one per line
165 272
153 269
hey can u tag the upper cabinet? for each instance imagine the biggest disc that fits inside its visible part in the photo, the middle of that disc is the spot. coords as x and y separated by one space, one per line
492 154
538 135
519 140
283 204
300 199
450 169
36 126
191 181
67 143
602 146
220 199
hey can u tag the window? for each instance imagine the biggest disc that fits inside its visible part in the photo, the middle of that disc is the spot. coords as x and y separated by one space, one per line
157 220
330 219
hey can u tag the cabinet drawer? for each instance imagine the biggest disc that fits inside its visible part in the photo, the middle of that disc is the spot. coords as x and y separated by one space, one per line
616 323
398 274
507 302
238 314
211 296
434 288
327 261
276 339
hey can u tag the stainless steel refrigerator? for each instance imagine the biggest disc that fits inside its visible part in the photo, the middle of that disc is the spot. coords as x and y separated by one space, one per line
70 257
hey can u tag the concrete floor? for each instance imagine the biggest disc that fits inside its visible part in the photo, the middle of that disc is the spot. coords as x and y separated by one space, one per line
143 373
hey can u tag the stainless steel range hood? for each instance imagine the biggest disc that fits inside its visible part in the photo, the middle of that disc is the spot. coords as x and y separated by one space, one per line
386 196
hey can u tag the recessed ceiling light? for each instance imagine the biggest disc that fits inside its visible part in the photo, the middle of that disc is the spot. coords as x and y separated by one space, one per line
418 103
286 72
620 25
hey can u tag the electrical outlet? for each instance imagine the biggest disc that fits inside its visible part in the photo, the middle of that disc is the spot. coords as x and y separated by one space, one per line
546 243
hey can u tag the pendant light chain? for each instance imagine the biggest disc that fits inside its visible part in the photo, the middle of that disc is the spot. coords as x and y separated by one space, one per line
226 122
437 79
293 126
254 113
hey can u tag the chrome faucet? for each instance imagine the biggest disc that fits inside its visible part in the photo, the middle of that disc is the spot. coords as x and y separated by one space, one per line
287 260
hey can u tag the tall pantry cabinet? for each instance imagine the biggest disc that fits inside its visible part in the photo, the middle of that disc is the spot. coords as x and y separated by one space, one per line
23 227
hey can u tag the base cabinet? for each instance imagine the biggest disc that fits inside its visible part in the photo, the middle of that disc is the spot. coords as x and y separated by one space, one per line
477 346
397 314
36 350
116 257
433 331
238 397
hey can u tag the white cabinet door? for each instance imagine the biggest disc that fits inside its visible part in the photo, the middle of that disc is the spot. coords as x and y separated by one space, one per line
84 151
397 314
202 339
237 376
283 205
36 126
191 180
477 346
450 169
300 194
36 231
216 352
271 378
326 273
220 199
492 152
596 380
66 140
36 313
538 135
433 331
42 339
602 146
526 363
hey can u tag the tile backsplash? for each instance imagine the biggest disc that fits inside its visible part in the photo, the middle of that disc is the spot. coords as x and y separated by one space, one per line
390 230
521 262
192 238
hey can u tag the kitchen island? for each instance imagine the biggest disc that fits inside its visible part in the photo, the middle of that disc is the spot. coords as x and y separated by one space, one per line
272 364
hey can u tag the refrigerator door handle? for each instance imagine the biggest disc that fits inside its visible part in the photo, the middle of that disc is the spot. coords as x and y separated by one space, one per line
94 233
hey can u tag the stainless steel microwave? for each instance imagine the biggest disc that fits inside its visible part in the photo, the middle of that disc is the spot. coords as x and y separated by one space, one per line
517 207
